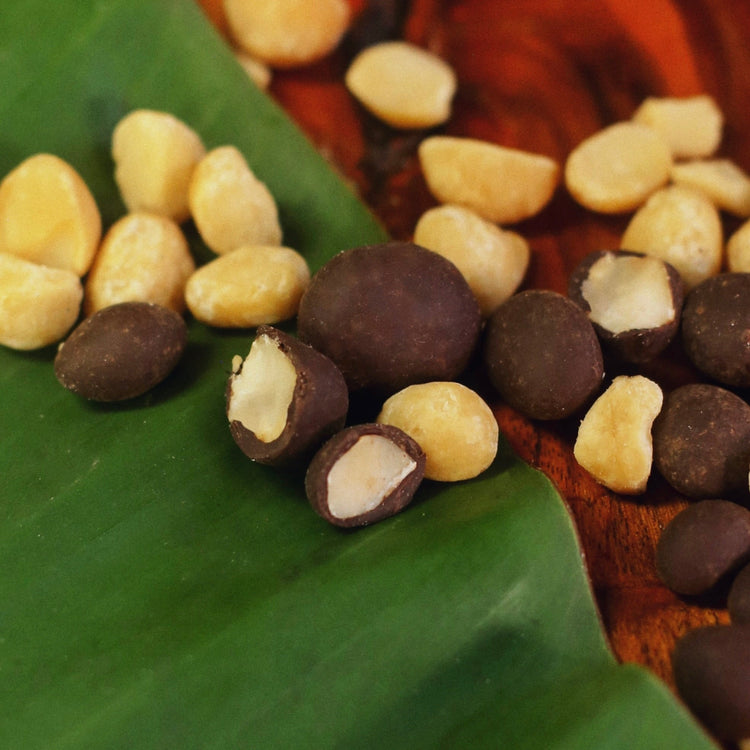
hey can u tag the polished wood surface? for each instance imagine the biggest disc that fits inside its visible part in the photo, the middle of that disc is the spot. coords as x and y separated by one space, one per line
542 75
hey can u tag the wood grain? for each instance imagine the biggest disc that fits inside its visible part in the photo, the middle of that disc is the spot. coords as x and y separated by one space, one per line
542 75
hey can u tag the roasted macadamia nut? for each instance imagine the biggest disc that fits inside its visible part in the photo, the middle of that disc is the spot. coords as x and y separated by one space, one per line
702 442
287 33
231 207
452 424
716 328
402 84
738 600
691 126
247 287
143 257
542 354
725 184
617 168
738 249
38 304
492 260
503 185
614 441
711 666
391 315
48 215
363 474
633 300
155 154
682 227
284 399
121 351
702 544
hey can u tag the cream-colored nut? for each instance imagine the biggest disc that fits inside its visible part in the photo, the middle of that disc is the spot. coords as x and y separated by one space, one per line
614 442
738 249
38 304
248 287
143 258
725 183
503 185
155 154
257 70
682 227
48 215
451 423
690 125
617 168
492 260
287 33
231 207
402 84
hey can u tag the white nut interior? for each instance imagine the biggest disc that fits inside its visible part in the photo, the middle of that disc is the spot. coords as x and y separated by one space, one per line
263 390
368 472
628 293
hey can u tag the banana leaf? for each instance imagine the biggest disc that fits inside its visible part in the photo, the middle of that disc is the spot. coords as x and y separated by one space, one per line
158 590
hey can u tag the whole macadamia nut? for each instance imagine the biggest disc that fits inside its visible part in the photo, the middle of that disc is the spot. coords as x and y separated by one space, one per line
738 600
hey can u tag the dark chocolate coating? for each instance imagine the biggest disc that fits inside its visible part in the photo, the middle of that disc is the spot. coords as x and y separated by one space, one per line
542 354
318 409
638 344
716 328
712 674
391 315
316 478
703 543
121 351
702 441
738 601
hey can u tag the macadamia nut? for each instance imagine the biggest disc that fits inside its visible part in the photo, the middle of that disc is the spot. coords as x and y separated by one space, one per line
614 438
453 425
248 287
38 304
402 84
155 154
231 207
503 185
258 72
48 215
724 183
738 249
492 260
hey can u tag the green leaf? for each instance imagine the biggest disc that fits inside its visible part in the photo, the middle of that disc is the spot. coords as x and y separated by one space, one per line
158 590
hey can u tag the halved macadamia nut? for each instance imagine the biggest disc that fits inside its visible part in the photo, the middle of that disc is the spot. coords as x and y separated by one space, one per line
691 125
48 215
738 249
248 287
633 300
542 354
284 399
363 474
453 425
738 600
155 154
617 168
503 185
682 227
492 260
702 442
38 304
231 207
614 441
702 544
143 257
402 84
725 184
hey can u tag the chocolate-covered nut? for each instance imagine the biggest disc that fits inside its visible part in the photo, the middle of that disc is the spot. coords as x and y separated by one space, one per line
391 315
633 300
703 543
284 399
712 674
702 441
738 601
716 328
121 351
363 474
542 354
